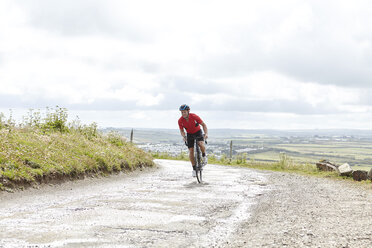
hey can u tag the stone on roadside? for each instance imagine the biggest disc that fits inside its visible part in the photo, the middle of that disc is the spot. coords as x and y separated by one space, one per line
325 165
370 174
345 170
360 175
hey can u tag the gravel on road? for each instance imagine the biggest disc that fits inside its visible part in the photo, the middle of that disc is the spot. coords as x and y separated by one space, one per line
166 207
303 211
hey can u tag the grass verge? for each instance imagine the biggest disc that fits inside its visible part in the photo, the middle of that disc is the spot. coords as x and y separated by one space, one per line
284 164
31 154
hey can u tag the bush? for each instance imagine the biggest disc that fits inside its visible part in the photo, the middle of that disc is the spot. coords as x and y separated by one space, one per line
56 120
241 158
284 161
89 131
116 139
32 119
224 159
2 120
7 123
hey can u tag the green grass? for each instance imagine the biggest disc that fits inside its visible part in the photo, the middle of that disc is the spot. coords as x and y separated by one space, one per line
29 155
283 163
358 155
38 153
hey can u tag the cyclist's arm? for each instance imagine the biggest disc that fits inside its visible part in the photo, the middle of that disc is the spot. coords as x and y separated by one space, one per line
183 134
205 129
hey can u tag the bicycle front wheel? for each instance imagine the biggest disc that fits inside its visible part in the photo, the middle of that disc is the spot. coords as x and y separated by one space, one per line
199 175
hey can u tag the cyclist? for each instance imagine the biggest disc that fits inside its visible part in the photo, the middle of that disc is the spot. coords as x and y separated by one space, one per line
191 123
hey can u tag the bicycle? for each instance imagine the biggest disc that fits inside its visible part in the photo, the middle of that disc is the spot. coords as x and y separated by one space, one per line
198 161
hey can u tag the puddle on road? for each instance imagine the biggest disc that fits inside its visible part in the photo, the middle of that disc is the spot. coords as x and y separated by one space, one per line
155 209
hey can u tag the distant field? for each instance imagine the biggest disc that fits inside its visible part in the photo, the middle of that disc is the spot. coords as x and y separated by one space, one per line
356 154
302 146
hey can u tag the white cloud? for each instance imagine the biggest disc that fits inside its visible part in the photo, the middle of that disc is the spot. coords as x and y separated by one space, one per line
140 116
282 58
272 86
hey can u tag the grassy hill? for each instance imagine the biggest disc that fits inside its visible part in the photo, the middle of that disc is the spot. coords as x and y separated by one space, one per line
50 149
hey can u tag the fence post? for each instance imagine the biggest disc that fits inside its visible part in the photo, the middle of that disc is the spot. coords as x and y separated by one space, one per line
131 136
231 145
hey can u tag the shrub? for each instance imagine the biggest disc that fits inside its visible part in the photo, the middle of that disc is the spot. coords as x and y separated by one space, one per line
89 131
10 123
116 139
224 159
2 120
284 161
32 119
241 158
56 120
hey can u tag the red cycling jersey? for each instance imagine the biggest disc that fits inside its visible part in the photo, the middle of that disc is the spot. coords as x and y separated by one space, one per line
191 126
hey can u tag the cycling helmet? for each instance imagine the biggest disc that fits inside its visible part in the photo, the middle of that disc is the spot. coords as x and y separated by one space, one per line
184 107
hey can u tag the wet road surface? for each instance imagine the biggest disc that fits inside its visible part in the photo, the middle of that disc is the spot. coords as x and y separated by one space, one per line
162 207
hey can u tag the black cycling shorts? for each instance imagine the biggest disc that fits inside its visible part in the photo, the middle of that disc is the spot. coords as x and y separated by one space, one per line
192 136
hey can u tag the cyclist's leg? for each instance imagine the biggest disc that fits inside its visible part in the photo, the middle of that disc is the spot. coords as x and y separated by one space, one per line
190 145
200 139
202 146
192 157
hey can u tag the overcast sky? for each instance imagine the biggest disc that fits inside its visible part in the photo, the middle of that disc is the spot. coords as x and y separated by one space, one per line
238 64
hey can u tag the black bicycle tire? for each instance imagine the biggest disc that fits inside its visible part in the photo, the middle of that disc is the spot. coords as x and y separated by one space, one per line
198 162
199 175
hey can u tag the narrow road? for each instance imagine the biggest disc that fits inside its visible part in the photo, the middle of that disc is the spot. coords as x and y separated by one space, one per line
162 207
